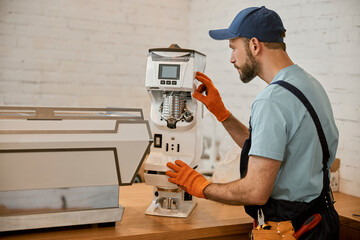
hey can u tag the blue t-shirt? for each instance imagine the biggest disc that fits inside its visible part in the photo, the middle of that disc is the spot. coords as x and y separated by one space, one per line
282 129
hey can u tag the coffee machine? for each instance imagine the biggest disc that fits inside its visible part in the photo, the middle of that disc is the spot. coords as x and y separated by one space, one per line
63 166
175 121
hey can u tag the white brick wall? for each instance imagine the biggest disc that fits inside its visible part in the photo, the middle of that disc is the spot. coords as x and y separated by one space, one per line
93 53
83 53
322 36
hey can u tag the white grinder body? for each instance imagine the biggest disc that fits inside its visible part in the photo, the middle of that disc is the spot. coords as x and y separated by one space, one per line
175 121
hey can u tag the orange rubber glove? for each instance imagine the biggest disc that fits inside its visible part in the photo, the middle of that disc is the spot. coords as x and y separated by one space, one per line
187 178
212 100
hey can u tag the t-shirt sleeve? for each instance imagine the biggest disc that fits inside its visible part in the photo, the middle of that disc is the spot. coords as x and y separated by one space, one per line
269 129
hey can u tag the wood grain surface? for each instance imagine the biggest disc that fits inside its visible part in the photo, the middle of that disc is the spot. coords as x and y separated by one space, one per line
209 220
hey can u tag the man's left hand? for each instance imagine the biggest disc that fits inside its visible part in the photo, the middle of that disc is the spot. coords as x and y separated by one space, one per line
187 178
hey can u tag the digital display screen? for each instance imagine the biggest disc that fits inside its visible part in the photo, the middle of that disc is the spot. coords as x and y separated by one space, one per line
169 71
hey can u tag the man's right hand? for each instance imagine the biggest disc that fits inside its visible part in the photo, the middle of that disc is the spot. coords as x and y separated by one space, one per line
212 99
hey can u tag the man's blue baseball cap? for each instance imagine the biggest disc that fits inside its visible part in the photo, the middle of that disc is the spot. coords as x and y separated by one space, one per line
259 22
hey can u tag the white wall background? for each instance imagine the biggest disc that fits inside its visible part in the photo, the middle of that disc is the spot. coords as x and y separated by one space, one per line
83 52
93 53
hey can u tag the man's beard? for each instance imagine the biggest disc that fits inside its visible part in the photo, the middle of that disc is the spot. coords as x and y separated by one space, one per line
250 69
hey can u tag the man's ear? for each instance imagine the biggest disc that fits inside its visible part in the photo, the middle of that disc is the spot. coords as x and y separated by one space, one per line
254 46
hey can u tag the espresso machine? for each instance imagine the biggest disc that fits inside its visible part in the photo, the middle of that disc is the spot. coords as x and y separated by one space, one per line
64 166
175 121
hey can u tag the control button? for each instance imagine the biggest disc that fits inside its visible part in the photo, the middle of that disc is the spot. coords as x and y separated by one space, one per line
168 82
158 140
174 82
162 82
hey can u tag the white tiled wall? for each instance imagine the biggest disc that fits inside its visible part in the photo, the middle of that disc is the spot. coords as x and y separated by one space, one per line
93 53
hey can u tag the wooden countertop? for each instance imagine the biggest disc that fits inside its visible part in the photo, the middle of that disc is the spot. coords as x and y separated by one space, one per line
208 220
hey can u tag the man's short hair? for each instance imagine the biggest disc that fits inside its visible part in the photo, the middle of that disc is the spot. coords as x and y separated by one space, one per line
275 45
269 45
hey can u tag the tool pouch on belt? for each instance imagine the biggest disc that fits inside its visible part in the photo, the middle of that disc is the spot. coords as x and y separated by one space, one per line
273 231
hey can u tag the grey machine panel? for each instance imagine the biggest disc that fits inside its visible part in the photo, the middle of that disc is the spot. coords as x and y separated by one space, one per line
63 166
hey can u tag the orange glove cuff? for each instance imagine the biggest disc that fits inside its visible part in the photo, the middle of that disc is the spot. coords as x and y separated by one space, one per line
187 178
222 115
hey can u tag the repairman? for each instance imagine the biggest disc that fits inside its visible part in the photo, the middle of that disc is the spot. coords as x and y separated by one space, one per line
291 140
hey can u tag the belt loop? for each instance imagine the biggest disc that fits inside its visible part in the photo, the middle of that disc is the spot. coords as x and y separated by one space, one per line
331 196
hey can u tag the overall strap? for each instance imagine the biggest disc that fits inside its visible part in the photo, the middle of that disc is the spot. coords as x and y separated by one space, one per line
320 131
244 156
